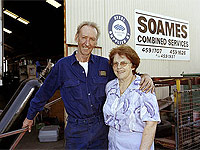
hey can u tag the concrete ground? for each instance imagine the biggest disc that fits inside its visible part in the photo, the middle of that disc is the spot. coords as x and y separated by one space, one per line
31 141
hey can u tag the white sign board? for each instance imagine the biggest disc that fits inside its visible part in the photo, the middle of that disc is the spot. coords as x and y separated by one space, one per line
161 37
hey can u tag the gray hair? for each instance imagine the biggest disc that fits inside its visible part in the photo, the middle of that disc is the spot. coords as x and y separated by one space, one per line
91 24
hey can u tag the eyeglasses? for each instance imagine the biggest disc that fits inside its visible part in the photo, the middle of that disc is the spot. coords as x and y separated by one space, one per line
122 64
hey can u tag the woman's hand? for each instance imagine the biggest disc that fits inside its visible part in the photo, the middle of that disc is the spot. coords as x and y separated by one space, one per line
146 83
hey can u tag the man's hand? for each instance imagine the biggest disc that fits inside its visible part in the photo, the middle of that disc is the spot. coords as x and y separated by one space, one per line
28 123
146 83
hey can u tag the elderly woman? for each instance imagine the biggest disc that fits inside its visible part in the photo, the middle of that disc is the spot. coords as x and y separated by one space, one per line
131 114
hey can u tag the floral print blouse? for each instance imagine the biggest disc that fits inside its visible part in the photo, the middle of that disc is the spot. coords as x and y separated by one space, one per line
128 112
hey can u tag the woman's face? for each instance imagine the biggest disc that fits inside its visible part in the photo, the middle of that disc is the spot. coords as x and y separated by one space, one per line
122 67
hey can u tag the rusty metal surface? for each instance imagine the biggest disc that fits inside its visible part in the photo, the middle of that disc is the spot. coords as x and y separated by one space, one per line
21 131
186 112
163 103
165 142
17 140
13 132
172 80
189 120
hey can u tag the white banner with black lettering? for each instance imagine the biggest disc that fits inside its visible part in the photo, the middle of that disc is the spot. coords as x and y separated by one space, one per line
161 37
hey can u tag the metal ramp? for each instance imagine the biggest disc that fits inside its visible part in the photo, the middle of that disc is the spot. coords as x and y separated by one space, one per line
15 111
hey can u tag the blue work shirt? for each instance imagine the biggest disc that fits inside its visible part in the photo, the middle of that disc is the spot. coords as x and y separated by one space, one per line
83 96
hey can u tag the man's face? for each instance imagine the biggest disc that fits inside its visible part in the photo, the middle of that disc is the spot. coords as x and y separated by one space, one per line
87 40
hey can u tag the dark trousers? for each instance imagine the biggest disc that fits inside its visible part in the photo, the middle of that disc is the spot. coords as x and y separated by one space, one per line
90 133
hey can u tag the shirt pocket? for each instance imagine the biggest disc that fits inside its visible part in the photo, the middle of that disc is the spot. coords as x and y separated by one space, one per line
72 87
99 86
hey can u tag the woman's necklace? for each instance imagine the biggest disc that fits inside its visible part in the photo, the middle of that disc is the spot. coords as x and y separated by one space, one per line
123 90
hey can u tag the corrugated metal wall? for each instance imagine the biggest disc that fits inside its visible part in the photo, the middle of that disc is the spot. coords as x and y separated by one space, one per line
100 11
78 11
